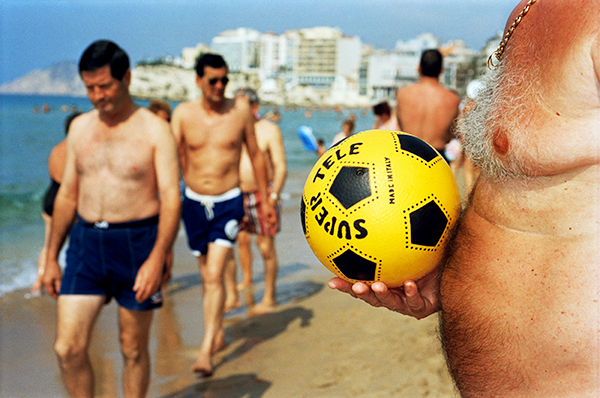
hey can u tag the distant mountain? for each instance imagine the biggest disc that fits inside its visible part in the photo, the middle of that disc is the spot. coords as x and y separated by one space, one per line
59 79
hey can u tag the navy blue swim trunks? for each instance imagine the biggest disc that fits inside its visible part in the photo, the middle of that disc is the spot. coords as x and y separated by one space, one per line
104 259
212 219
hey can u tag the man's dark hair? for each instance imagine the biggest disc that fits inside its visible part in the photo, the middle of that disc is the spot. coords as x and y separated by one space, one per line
102 53
431 63
383 108
211 60
69 119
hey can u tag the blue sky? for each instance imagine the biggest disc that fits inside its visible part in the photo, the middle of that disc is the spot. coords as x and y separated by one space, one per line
35 34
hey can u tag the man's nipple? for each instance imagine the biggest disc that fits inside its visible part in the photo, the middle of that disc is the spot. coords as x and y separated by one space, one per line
501 143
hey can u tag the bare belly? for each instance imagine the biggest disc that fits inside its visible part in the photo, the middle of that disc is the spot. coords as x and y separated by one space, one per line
520 312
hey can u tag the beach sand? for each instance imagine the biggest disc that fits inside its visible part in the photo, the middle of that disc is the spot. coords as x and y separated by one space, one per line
317 343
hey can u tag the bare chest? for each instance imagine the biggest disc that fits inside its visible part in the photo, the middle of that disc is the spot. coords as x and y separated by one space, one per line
120 156
213 133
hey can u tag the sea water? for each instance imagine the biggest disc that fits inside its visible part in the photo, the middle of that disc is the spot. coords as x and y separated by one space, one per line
30 126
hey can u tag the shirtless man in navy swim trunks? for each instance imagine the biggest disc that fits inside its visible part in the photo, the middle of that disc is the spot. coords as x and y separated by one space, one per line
519 295
120 198
210 132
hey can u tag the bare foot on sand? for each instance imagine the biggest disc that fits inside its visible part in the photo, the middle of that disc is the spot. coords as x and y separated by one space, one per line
234 305
262 308
203 365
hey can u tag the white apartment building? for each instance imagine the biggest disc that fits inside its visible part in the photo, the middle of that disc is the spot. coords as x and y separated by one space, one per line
386 72
273 55
239 48
457 59
324 63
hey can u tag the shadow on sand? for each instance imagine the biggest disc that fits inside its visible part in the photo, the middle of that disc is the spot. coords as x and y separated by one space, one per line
243 334
235 386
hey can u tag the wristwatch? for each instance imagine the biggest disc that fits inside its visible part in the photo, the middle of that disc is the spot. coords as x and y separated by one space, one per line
274 196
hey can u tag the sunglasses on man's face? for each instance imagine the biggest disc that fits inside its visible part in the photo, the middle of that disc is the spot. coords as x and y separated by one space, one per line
224 80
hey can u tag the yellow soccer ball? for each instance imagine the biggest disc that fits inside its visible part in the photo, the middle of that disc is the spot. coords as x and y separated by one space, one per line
379 206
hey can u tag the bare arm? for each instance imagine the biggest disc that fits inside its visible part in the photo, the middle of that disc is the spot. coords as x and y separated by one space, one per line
177 131
166 166
277 151
63 216
258 164
398 96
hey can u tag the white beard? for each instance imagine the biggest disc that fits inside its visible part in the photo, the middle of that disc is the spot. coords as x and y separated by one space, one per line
503 105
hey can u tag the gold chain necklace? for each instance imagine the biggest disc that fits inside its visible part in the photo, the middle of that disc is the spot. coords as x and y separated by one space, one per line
498 53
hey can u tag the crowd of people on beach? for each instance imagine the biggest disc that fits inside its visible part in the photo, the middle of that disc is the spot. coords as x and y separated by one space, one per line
115 191
517 290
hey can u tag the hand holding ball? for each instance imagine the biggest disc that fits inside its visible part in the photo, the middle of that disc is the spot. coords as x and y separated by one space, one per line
379 206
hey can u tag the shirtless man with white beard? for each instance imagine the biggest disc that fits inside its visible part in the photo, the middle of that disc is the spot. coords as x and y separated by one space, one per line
519 292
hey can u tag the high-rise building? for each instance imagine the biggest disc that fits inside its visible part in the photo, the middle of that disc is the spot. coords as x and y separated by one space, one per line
239 48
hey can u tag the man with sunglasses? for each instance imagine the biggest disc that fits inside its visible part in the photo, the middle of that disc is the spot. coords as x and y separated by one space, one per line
210 132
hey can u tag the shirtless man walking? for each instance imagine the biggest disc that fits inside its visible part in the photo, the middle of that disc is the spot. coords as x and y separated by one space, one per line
426 109
120 195
270 143
210 132
519 294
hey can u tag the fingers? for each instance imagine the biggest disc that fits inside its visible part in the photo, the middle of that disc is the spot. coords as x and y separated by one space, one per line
414 301
52 287
407 300
366 293
341 285
145 288
140 290
273 223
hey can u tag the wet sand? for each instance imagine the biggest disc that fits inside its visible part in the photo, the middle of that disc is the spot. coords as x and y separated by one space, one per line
317 343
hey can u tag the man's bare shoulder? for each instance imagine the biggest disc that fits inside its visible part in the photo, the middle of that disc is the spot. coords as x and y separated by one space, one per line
237 105
83 123
452 95
150 122
186 107
406 90
267 127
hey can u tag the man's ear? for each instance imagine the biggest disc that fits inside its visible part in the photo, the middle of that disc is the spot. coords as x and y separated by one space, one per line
127 78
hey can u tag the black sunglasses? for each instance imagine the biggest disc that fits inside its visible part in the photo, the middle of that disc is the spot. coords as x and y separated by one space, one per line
224 80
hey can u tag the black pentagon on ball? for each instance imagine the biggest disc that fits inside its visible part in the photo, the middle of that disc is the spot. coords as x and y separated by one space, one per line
417 147
355 266
351 185
303 215
427 225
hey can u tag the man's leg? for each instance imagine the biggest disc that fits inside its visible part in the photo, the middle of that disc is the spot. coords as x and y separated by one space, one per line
76 317
232 298
244 240
266 245
212 267
134 330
